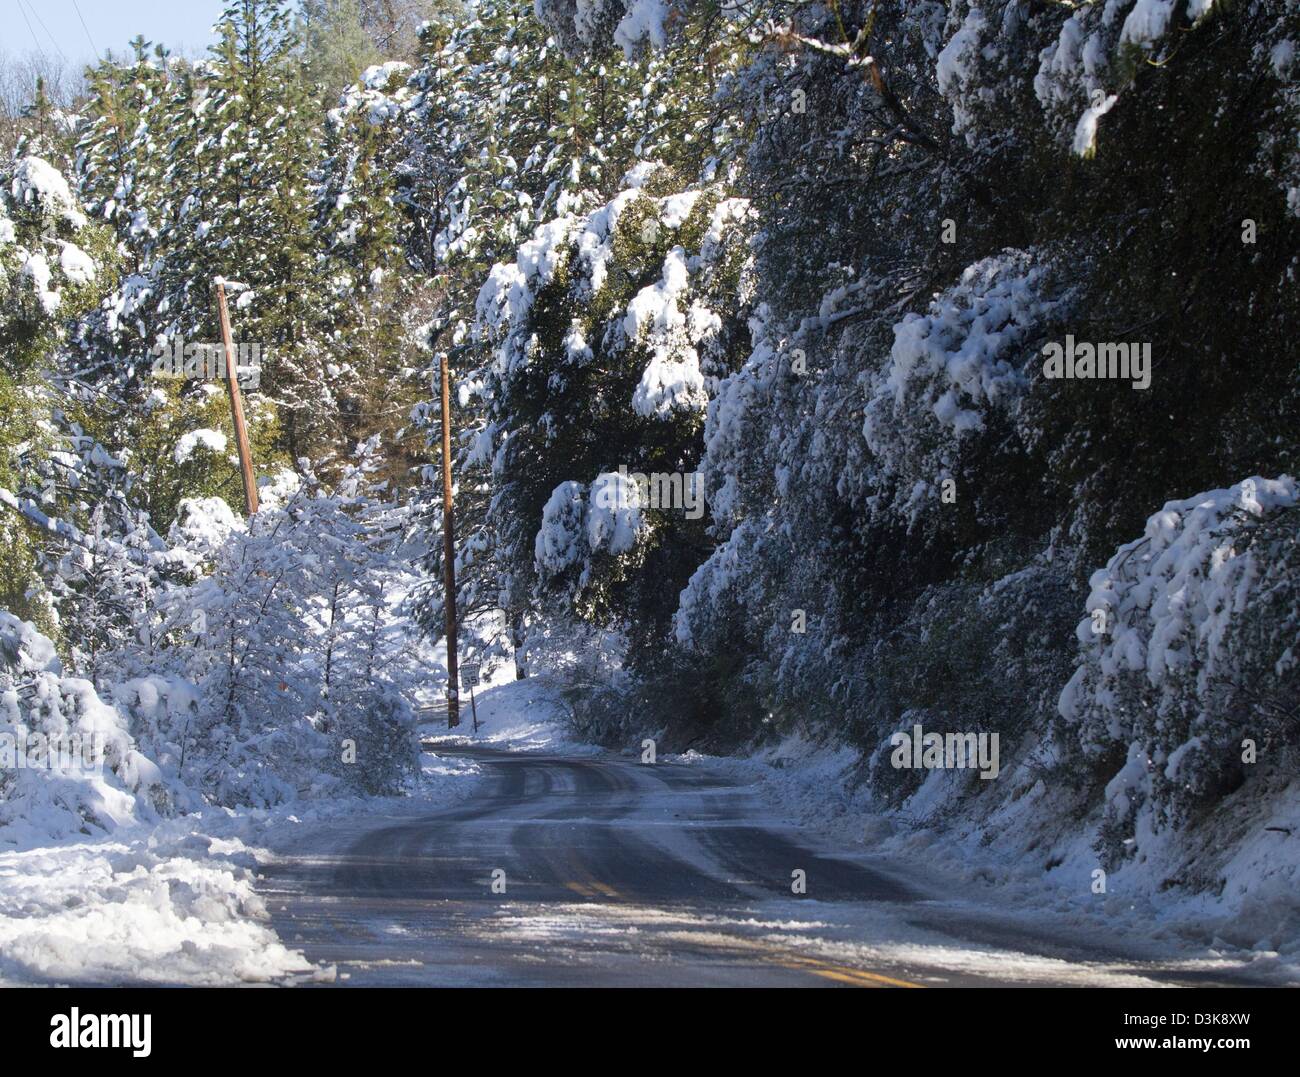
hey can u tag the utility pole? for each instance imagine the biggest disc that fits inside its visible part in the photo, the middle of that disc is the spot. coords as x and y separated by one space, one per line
236 404
449 554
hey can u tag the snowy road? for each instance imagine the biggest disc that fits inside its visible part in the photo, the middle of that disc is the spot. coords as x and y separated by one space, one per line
617 874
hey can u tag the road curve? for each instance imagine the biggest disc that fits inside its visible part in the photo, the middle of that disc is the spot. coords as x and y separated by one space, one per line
602 872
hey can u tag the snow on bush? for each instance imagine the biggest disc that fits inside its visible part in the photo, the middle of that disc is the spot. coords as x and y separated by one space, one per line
739 418
606 332
949 368
980 69
955 72
645 21
1278 155
579 523
507 296
614 517
68 762
1189 651
559 542
1081 75
76 264
722 588
259 668
39 219
666 319
213 441
672 379
40 188
582 25
280 635
379 95
203 526
595 243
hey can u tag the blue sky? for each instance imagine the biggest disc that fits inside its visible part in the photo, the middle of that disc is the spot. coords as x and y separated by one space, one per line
182 25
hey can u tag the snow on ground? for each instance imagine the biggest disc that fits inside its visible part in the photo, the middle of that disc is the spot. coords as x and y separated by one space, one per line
167 906
173 903
996 865
176 904
517 715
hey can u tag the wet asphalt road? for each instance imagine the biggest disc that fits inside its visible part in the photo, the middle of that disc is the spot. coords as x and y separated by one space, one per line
601 872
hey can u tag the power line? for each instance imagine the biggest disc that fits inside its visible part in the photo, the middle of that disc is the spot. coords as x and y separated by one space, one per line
35 40
53 42
77 8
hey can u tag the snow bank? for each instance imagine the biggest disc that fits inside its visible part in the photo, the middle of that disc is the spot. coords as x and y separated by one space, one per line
1028 854
523 715
166 907
151 900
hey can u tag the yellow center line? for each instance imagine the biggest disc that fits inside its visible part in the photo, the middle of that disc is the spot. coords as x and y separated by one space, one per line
831 974
586 884
589 887
846 974
817 967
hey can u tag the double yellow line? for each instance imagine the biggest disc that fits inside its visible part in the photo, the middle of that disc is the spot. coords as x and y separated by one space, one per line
840 973
586 884
589 887
592 889
815 966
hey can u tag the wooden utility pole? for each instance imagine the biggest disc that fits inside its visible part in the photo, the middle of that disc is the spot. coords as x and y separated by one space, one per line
449 554
237 404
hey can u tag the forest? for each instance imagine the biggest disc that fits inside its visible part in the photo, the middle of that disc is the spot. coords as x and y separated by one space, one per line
819 370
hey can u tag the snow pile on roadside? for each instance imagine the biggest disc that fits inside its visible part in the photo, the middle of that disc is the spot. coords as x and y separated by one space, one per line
809 783
169 907
176 903
97 883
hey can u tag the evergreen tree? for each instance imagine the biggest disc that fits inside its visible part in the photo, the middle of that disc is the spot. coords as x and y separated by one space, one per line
336 45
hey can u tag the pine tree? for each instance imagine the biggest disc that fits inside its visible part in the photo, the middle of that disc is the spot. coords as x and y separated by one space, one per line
336 45
52 259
